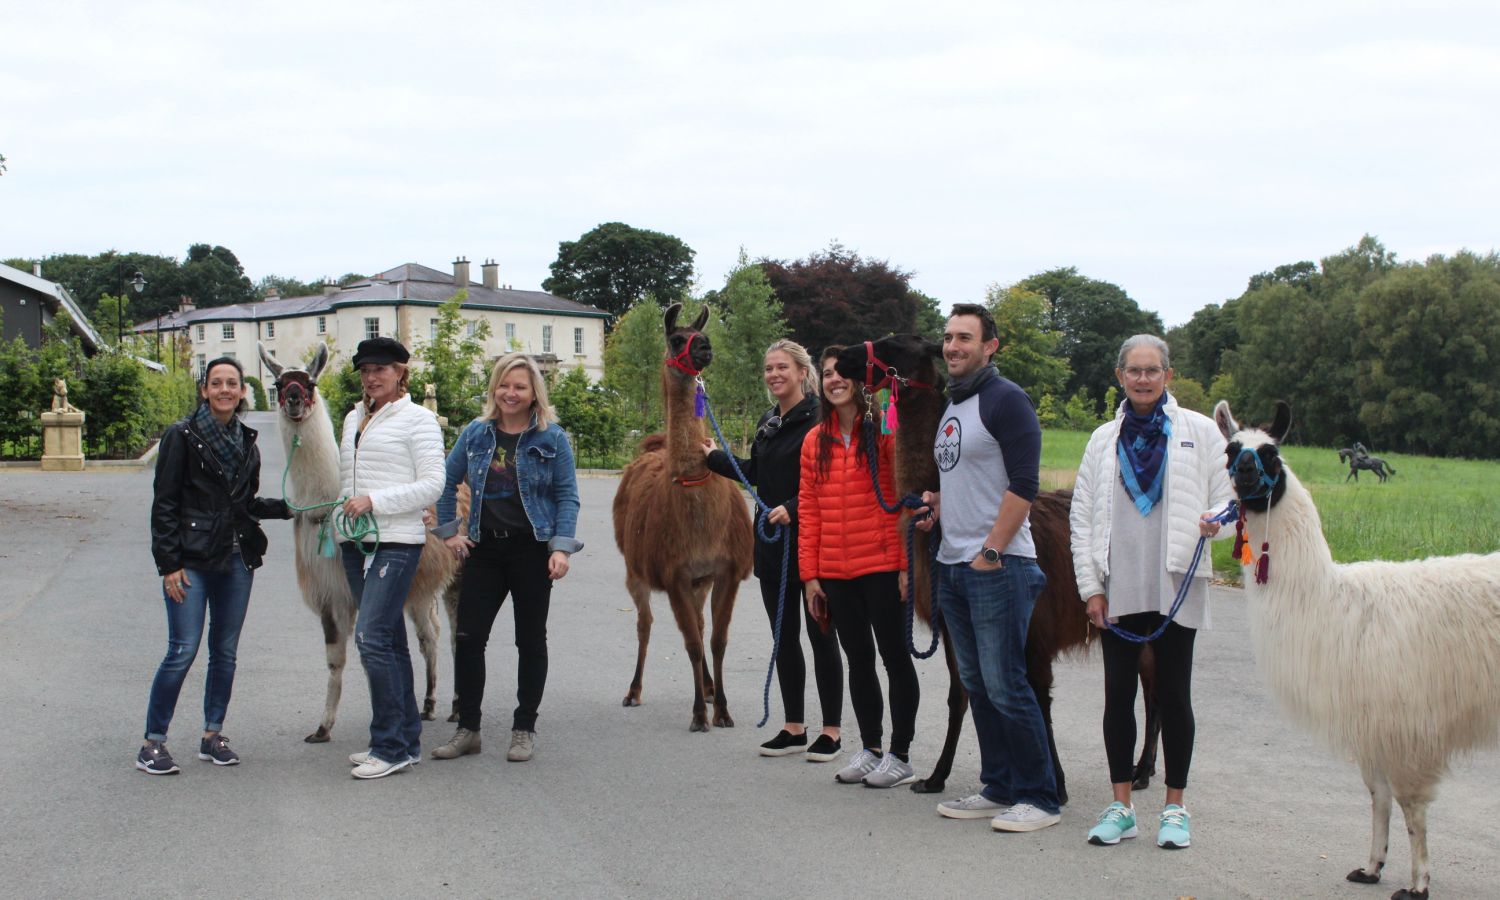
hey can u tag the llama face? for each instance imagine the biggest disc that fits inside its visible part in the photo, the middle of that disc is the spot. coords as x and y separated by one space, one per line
1253 458
688 349
911 356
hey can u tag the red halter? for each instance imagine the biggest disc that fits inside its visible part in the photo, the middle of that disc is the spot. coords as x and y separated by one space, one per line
891 379
683 361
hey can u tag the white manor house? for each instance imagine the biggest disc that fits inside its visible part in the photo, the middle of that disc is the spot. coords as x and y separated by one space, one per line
400 303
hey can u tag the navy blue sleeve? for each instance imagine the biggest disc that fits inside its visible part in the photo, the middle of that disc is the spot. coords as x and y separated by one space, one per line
1008 415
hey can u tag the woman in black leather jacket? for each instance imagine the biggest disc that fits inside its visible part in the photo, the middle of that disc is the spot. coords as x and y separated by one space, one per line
206 538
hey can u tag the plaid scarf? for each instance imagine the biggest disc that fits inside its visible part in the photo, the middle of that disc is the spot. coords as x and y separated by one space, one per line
226 441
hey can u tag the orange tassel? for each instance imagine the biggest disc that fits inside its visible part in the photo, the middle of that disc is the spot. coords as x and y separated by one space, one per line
1245 556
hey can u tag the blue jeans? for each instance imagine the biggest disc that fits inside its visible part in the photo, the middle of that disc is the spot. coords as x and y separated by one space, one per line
380 635
988 614
222 598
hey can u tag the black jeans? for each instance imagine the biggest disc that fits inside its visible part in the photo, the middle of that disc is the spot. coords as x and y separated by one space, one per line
497 566
868 614
791 667
1174 696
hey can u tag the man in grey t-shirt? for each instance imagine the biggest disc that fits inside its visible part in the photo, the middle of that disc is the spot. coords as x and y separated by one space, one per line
988 450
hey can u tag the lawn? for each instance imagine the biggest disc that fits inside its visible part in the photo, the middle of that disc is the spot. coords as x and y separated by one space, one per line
1431 507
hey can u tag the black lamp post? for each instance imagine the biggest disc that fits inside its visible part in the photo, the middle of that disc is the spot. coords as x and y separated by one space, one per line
137 281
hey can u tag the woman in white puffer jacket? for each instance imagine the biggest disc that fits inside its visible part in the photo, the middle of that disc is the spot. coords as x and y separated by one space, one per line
391 466
1147 481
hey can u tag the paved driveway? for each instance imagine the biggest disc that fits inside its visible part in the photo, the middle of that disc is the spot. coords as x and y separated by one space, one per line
618 802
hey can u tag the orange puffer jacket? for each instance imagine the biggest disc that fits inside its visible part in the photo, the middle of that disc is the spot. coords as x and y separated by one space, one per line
842 531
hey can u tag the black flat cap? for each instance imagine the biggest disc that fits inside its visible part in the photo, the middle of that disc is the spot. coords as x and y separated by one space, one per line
380 351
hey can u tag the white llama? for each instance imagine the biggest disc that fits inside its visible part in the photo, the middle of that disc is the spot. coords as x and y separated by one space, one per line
313 478
1394 663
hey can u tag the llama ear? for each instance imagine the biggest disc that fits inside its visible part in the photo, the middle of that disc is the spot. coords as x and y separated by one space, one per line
702 319
319 360
270 363
1282 423
932 349
669 321
1227 425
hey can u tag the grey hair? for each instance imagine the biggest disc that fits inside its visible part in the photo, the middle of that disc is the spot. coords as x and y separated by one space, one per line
1145 340
800 357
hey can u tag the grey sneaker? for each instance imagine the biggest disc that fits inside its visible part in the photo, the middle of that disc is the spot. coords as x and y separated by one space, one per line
1024 817
363 756
522 745
891 772
862 764
155 760
974 806
462 743
375 767
216 750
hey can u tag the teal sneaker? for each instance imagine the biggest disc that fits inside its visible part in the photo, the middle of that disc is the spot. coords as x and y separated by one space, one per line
1173 834
1116 822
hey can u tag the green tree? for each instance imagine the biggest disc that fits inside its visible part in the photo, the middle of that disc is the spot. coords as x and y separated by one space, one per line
112 392
1198 345
591 415
113 318
213 276
632 364
1094 318
1028 350
836 297
1189 394
20 393
930 317
257 393
287 287
454 359
615 266
748 321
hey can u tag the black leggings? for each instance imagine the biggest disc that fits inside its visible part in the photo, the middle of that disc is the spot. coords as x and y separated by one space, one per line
791 668
497 566
868 614
1174 696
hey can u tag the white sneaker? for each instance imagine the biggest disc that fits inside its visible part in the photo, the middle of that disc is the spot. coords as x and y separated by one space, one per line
1024 817
863 763
363 756
379 768
974 806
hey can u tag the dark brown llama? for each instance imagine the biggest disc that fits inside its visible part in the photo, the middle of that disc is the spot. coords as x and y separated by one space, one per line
680 529
1058 624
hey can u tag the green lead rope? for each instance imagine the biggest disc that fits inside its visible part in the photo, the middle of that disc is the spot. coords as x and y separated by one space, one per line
356 529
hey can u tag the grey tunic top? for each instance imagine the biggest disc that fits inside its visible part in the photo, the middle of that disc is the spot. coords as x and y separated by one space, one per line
1138 577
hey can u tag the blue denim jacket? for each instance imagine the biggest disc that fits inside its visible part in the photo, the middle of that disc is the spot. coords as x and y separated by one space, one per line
544 475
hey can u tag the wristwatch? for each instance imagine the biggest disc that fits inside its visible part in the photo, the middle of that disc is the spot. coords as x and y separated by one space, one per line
990 554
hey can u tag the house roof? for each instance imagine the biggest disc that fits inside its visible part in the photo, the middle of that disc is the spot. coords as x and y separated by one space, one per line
408 283
81 325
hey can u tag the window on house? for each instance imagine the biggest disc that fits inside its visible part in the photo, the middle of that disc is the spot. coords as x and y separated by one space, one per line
270 329
202 361
322 324
200 337
546 338
578 341
432 330
372 328
470 327
510 335
227 331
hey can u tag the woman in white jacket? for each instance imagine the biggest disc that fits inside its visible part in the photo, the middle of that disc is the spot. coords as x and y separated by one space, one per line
1148 482
391 465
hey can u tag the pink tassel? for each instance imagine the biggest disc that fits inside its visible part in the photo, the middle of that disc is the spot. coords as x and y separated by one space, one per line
700 403
891 423
1263 568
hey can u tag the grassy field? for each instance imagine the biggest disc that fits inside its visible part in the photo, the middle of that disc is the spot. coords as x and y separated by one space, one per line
1431 507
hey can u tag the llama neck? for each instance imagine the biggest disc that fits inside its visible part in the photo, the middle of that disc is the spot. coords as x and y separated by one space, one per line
1294 533
313 473
684 430
919 410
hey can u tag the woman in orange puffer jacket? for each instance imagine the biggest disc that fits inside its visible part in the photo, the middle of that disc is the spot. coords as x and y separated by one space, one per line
853 565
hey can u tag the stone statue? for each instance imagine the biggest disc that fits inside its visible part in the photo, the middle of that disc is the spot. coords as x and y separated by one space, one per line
60 396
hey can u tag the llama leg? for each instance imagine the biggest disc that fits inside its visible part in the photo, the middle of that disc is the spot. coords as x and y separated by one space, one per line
700 597
335 647
690 623
724 590
1145 767
425 621
641 595
450 605
1414 810
1380 814
958 706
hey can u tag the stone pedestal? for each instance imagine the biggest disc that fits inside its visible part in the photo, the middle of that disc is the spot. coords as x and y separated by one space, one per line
62 441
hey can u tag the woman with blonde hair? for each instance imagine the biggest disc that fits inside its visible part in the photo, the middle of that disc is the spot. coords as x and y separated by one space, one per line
519 467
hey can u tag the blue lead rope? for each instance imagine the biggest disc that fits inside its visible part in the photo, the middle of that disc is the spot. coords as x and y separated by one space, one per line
911 502
777 533
1228 515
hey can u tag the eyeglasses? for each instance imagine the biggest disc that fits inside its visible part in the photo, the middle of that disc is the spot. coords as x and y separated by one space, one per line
1137 373
771 426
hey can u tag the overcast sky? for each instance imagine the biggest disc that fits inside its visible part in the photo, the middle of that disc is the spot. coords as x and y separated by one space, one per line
1174 148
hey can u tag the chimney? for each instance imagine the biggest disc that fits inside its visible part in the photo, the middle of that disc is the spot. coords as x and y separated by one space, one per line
186 304
272 293
36 269
491 274
330 287
461 272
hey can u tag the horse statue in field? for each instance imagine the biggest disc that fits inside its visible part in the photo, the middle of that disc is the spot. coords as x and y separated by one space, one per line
1359 458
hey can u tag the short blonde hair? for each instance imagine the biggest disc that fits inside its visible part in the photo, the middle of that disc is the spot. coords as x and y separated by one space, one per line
540 407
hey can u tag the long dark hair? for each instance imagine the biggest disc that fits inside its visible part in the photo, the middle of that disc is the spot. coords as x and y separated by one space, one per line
828 427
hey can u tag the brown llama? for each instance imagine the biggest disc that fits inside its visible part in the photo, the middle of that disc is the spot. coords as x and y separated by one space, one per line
682 530
1059 623
312 479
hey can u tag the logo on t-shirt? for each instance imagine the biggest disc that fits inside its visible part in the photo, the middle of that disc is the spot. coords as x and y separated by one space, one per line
949 437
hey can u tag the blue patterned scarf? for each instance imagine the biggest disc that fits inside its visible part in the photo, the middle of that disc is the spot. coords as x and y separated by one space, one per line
1143 449
227 441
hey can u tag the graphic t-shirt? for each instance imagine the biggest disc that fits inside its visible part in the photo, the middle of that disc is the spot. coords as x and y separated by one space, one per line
502 500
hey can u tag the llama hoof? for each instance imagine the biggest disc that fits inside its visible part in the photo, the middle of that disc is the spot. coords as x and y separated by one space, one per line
429 710
1409 894
699 725
929 786
630 700
1360 876
723 721
1141 782
320 736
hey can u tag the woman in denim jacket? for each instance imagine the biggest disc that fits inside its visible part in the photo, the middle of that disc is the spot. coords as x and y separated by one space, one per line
522 518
